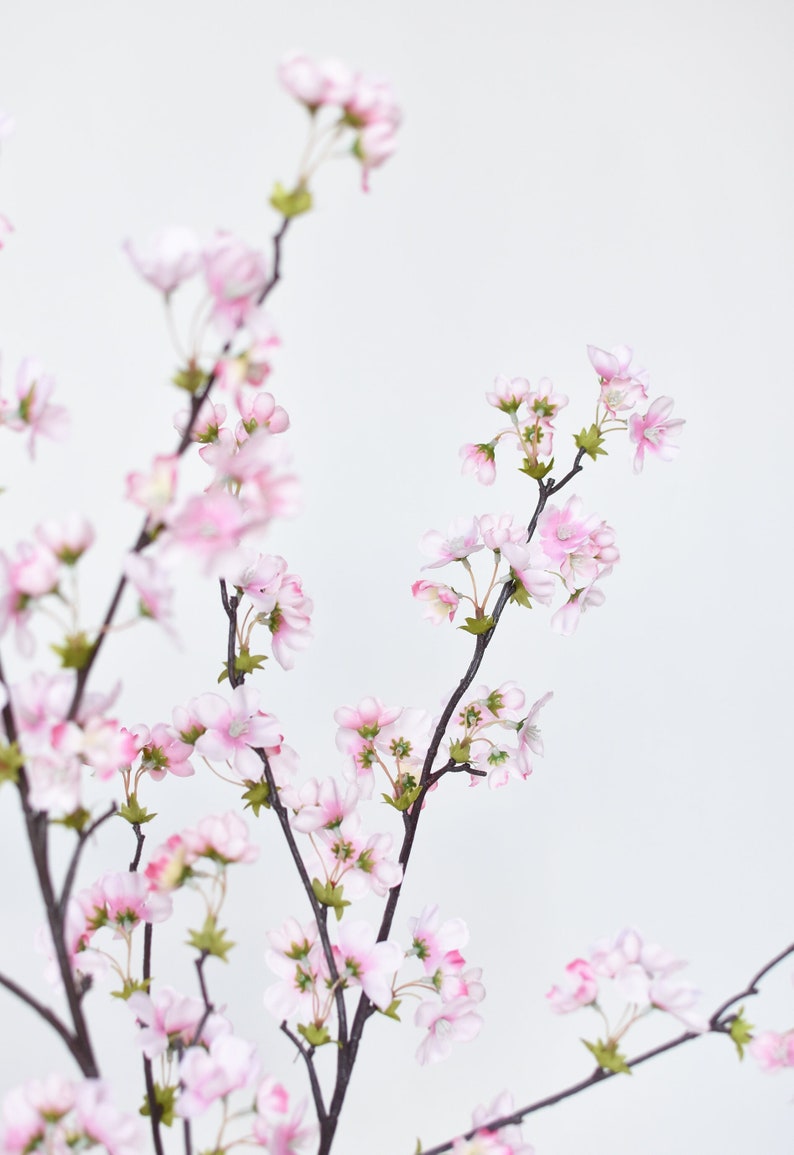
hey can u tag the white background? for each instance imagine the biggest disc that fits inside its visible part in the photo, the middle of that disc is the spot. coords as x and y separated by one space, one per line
568 173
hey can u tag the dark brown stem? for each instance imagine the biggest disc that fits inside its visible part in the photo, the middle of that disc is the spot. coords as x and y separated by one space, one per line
43 1012
307 1053
155 1110
82 839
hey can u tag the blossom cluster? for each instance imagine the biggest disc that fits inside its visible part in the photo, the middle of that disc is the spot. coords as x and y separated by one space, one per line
532 413
56 1114
644 975
448 989
364 104
571 551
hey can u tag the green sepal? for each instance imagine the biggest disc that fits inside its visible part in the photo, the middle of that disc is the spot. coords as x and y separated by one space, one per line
460 751
314 1036
590 440
405 800
211 939
478 625
520 595
256 796
190 379
291 204
11 762
134 813
741 1031
75 651
130 987
608 1057
330 895
77 820
391 1010
537 469
165 1097
244 663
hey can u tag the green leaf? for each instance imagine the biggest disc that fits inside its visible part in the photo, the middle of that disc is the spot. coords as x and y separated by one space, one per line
330 895
314 1036
391 1010
291 204
608 1056
520 595
75 651
536 469
130 987
256 796
404 800
590 440
460 751
77 820
741 1031
165 1098
134 813
191 379
11 762
478 625
244 663
211 939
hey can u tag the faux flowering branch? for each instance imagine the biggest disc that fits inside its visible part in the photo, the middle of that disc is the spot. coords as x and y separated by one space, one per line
496 1133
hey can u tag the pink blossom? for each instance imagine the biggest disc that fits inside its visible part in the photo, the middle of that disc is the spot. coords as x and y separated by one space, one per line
653 432
155 491
168 1020
170 257
543 404
440 601
566 618
122 900
222 838
374 145
508 393
479 460
323 805
210 526
563 531
615 370
228 726
230 1064
462 539
260 410
496 529
773 1051
152 585
170 865
537 583
362 961
433 940
236 276
315 82
289 621
446 1023
580 992
68 538
34 411
275 1128
101 1122
366 720
501 1107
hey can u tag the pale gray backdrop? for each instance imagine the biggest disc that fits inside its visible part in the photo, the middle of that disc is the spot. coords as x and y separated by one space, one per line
568 173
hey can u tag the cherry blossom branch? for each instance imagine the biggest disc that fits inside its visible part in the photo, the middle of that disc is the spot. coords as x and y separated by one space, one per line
236 678
364 1009
717 1025
145 537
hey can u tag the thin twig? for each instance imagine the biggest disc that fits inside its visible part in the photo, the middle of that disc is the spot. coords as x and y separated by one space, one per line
307 1054
43 1012
82 839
